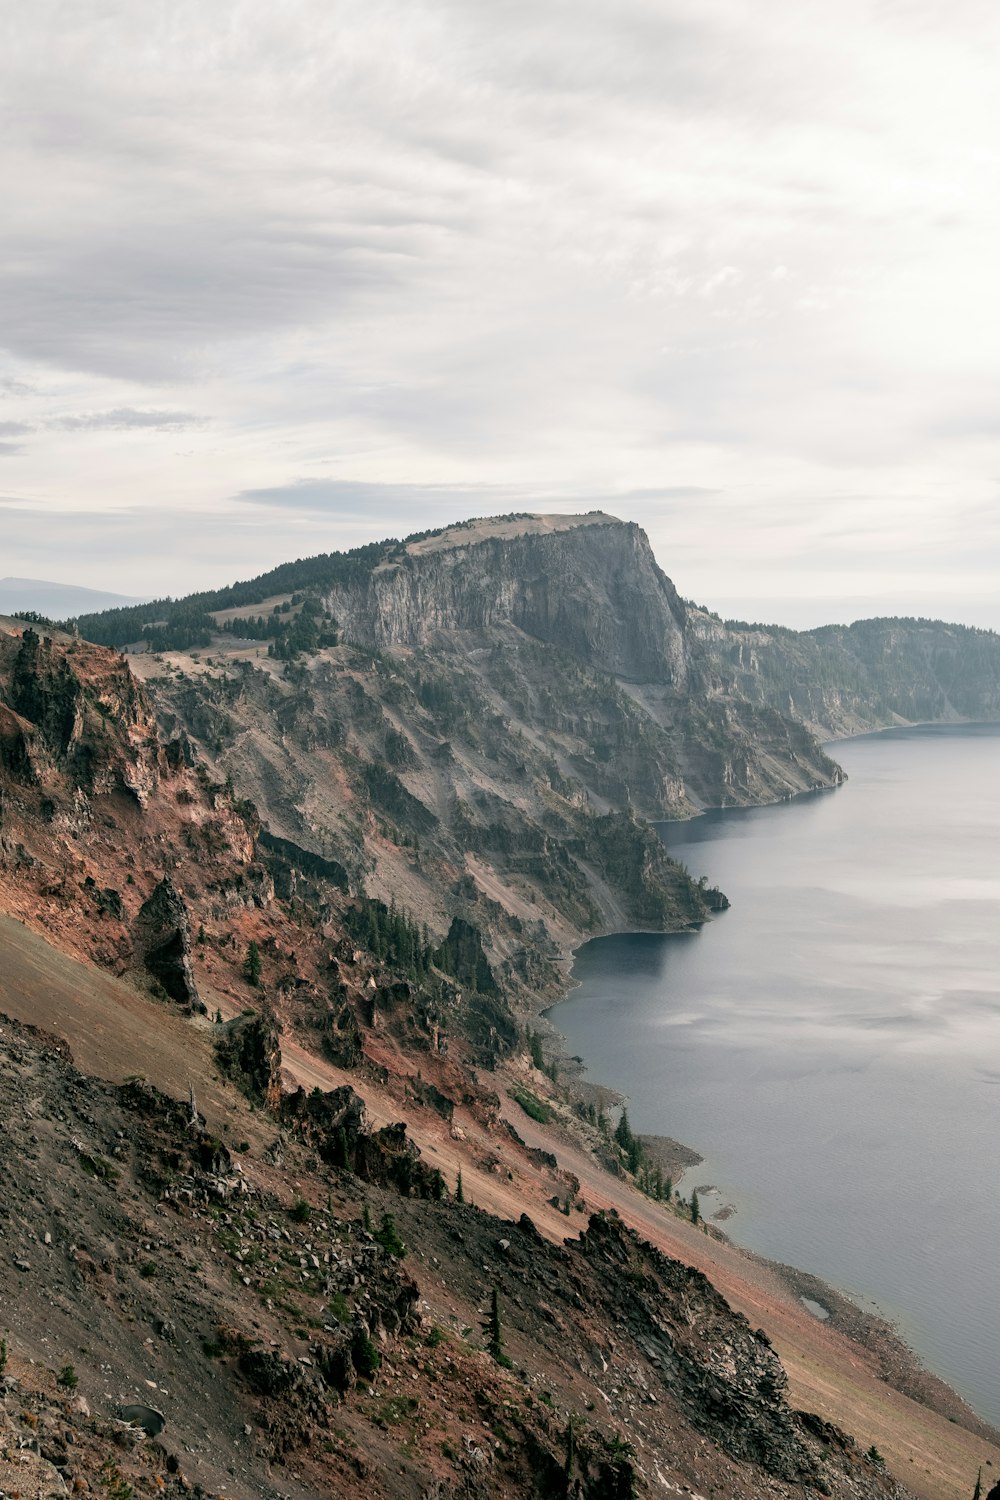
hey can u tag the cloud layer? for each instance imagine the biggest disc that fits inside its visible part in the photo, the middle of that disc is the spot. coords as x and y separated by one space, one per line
300 277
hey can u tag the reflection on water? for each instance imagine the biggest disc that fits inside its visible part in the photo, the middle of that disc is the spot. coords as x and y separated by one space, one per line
832 1043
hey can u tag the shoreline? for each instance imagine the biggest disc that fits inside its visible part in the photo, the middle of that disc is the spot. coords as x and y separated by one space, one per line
898 1365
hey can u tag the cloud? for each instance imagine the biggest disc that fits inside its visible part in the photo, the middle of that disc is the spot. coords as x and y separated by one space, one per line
713 267
125 419
343 496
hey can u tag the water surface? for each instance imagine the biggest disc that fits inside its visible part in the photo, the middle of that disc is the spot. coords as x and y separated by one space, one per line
832 1043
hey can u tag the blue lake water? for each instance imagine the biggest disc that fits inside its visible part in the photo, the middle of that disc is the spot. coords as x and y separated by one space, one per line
831 1044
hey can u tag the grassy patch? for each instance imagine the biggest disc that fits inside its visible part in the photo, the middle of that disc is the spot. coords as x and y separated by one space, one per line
531 1105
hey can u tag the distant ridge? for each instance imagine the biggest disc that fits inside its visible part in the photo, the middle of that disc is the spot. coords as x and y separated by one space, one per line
59 601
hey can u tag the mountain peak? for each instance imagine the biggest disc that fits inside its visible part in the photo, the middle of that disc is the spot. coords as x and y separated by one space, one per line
505 528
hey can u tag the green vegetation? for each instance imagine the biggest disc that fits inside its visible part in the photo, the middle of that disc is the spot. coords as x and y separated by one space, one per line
67 1378
629 1143
531 1105
388 1237
570 1461
288 635
493 1332
97 1166
180 624
115 1485
391 935
695 1208
252 965
364 1355
300 1212
397 1409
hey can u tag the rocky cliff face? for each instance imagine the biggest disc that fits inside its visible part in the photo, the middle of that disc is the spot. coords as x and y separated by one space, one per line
76 707
845 679
592 589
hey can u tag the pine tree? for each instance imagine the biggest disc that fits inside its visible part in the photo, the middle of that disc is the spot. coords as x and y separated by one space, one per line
252 966
568 1466
459 1192
695 1210
493 1332
388 1237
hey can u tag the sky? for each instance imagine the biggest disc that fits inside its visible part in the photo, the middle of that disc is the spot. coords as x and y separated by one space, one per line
277 280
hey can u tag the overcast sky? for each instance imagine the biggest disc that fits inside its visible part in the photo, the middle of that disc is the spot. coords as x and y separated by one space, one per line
279 279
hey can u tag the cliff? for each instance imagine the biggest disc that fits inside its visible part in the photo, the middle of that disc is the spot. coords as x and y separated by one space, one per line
587 585
840 680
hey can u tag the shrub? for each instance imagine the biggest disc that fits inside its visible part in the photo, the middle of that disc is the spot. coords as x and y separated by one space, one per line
531 1105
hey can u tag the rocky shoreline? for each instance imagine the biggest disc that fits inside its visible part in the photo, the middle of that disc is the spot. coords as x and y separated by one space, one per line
898 1364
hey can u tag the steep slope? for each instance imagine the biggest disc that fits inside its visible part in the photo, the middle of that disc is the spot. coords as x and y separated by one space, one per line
261 1290
506 704
274 1346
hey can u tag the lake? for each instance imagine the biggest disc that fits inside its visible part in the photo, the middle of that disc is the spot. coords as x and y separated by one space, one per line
831 1044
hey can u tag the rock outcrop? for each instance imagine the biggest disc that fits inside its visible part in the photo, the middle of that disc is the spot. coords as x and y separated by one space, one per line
162 936
85 715
248 1051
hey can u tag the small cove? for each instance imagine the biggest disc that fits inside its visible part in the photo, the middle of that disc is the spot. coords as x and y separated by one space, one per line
831 1045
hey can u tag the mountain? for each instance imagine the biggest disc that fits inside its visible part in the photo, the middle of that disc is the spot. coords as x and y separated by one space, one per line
290 1169
57 601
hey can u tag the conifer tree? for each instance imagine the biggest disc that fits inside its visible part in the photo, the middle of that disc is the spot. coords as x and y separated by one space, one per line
568 1466
695 1210
493 1332
388 1237
251 967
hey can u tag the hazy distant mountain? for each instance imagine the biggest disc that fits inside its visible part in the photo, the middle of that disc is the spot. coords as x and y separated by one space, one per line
57 600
